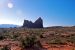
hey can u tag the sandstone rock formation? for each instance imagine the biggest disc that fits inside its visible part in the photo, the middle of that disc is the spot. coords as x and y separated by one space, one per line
37 24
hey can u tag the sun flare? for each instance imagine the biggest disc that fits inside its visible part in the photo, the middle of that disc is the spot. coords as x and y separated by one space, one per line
10 5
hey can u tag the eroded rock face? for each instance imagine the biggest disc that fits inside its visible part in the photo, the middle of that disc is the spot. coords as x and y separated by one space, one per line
37 24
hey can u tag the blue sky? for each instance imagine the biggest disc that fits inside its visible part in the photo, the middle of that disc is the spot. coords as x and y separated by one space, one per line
53 12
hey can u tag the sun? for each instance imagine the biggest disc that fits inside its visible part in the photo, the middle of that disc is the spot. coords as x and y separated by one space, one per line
10 5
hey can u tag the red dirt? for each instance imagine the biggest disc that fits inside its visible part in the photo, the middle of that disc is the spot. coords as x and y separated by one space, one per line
14 46
63 47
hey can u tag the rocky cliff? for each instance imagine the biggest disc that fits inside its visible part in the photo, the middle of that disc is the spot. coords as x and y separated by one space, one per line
37 24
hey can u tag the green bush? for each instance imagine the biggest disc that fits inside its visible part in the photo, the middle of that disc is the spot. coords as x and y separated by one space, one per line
29 41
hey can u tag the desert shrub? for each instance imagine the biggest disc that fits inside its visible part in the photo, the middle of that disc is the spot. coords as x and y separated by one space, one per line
72 39
5 48
56 41
29 41
15 37
38 44
41 36
1 37
4 31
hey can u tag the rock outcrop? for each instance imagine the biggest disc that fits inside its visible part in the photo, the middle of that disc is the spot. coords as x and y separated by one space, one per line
37 24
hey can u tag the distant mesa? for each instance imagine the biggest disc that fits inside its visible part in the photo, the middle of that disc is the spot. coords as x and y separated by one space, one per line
37 24
8 26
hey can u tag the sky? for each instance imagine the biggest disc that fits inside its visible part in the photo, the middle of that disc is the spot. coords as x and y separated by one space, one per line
53 12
